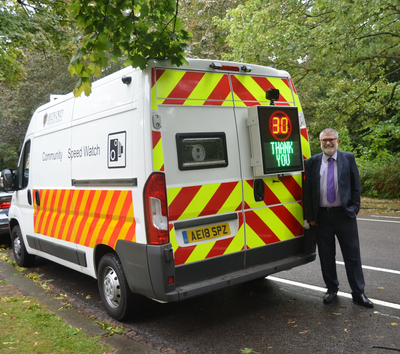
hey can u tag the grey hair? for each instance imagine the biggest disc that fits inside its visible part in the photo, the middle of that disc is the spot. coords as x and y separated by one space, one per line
329 131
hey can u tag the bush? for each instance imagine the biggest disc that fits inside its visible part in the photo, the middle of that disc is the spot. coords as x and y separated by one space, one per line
380 178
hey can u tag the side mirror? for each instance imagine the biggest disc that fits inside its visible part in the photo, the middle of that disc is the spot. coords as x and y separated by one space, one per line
8 180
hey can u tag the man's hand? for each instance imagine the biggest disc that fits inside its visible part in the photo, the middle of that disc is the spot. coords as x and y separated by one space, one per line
313 223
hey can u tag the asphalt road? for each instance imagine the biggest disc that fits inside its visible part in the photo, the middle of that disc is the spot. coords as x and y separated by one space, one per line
283 313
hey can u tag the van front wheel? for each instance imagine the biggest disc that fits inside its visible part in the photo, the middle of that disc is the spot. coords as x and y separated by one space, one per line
113 287
22 257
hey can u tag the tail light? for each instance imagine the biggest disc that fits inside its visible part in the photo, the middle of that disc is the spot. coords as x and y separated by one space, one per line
5 202
156 210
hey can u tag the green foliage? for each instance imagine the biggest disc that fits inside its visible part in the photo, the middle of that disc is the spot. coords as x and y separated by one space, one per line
208 41
380 178
135 30
342 55
45 75
31 24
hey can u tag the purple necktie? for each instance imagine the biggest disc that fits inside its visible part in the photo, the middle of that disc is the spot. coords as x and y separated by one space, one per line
331 181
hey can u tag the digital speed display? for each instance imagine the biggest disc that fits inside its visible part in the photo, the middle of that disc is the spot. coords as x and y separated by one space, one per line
280 139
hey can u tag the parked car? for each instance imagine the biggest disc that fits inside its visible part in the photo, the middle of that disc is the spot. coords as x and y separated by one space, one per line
5 202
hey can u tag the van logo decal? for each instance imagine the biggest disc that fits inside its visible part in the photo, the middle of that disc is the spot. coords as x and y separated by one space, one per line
53 117
117 150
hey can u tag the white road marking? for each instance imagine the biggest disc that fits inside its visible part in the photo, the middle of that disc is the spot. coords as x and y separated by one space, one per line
375 268
392 221
317 288
386 216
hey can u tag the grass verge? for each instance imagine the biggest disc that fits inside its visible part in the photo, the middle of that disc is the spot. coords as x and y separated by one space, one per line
29 327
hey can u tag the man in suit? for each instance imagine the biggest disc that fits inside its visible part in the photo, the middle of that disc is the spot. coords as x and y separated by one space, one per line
332 201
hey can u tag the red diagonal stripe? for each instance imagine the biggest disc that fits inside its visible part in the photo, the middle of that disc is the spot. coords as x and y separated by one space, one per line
221 91
269 197
58 213
260 228
288 219
109 214
186 85
131 232
181 201
50 212
265 84
219 198
219 247
67 213
241 91
122 220
159 73
292 186
96 217
75 211
304 133
85 212
156 136
182 254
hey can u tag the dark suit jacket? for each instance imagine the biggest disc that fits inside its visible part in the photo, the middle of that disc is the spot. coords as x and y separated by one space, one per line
348 181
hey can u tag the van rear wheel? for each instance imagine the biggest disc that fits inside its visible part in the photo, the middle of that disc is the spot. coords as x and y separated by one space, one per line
113 287
22 257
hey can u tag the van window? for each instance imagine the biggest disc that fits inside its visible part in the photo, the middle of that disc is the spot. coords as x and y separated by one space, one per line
23 168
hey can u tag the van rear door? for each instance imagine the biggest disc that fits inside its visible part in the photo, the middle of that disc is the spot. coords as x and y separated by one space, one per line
200 158
216 224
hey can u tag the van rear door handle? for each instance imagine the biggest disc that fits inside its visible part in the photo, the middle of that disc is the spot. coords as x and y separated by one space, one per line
259 191
37 197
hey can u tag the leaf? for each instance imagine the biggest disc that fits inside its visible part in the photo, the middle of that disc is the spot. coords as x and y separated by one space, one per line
138 61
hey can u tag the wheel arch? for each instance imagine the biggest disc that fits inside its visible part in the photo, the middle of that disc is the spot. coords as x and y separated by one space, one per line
99 252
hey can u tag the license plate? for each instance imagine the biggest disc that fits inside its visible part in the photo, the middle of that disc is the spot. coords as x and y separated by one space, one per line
206 233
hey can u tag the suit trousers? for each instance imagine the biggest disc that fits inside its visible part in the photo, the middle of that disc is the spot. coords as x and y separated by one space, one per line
337 222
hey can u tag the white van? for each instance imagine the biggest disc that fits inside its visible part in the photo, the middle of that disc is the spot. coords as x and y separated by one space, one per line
167 182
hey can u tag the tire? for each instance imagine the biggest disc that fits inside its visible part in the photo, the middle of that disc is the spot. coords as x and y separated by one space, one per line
22 257
113 287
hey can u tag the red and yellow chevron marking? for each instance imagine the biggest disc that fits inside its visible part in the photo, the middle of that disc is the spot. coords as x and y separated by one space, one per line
286 189
250 90
269 225
86 217
282 220
197 201
209 199
158 155
177 87
305 145
189 254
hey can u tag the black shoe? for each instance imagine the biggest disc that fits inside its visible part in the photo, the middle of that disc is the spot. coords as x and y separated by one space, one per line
362 300
329 296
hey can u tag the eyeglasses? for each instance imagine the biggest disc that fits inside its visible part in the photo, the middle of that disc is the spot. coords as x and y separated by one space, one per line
328 140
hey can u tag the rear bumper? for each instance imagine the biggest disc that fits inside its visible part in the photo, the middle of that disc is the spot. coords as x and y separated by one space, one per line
148 269
205 286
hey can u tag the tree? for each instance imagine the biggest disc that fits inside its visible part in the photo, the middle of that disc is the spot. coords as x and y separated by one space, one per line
135 30
208 41
45 74
103 30
26 25
343 56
